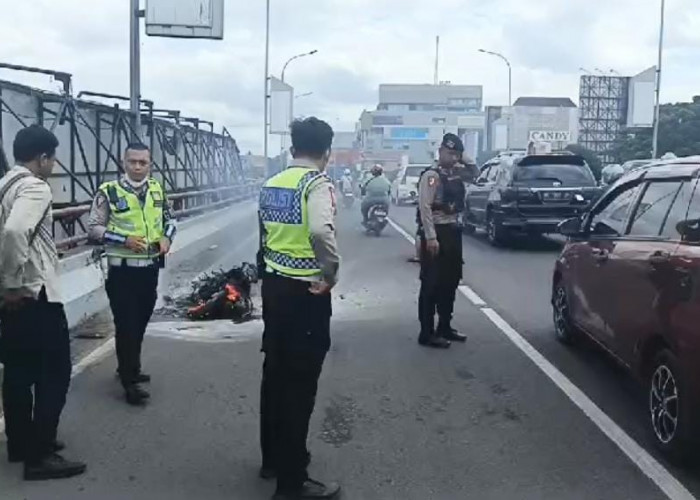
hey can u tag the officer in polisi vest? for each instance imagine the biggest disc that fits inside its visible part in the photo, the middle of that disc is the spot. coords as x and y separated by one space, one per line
299 263
441 199
131 218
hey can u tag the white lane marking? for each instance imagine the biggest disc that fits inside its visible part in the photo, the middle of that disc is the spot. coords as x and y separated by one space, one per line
402 231
646 463
93 357
472 296
638 455
465 289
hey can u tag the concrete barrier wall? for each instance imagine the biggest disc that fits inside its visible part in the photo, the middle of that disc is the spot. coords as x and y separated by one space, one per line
82 278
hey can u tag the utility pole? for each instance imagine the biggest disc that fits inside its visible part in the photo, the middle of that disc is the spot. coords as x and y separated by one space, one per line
267 81
135 64
437 60
657 107
510 89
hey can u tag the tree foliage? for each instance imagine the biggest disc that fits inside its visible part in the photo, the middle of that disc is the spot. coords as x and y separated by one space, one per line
679 133
591 158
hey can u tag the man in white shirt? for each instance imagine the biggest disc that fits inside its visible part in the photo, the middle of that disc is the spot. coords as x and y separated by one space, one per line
34 338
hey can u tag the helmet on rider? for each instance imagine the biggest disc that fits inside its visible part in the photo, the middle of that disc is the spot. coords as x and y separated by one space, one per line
346 171
377 170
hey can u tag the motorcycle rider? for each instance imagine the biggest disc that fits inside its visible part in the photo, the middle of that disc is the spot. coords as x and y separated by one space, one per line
346 182
376 191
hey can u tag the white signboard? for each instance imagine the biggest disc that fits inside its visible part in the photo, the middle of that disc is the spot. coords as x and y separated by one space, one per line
185 18
550 136
643 105
281 106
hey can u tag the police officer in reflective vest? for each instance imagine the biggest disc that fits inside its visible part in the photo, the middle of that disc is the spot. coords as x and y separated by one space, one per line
299 263
131 218
441 199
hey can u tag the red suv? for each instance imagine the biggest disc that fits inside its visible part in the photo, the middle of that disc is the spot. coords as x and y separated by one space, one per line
629 278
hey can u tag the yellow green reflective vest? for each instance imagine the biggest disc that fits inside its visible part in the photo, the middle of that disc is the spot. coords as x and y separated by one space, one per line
129 218
286 239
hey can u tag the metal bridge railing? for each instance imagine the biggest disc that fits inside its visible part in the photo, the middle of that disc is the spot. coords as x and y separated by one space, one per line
185 204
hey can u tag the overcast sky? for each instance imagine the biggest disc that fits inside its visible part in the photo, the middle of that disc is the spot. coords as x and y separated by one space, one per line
361 43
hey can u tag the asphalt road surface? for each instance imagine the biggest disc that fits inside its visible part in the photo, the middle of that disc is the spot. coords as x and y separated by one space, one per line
393 420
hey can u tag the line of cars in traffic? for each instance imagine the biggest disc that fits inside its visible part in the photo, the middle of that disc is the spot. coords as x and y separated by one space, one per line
628 276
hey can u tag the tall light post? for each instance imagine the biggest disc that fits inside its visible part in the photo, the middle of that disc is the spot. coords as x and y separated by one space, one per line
267 82
657 106
135 66
510 87
283 141
284 68
510 72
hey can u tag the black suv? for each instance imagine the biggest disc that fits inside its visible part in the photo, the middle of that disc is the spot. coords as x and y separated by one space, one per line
529 194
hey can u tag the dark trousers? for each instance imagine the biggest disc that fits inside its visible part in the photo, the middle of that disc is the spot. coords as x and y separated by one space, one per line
35 350
295 342
132 293
440 276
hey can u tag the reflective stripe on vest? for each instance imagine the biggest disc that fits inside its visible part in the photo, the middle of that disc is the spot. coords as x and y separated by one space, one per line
283 212
129 218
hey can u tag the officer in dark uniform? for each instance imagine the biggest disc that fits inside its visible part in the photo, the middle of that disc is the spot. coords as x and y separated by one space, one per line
441 199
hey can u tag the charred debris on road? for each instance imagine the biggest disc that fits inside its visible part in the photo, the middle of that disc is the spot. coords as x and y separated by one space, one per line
218 295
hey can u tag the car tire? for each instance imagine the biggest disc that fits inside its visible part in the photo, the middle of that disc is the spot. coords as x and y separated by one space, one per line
670 416
495 232
564 329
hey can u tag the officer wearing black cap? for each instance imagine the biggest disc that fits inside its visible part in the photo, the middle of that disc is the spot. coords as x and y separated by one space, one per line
441 199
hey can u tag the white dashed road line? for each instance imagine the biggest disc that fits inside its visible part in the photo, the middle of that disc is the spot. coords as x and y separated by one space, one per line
638 455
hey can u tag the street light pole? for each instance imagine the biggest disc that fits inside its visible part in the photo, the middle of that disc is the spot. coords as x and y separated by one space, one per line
284 68
510 72
510 87
135 67
267 81
657 106
283 140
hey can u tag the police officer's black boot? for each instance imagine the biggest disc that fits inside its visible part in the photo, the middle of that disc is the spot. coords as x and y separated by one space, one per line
136 395
430 339
448 333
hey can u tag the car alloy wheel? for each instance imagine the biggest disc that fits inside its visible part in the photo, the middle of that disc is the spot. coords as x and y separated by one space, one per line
562 320
663 404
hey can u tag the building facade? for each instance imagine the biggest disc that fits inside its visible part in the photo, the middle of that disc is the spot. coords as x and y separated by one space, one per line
410 120
532 119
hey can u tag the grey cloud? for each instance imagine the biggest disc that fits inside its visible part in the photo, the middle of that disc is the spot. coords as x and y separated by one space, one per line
338 85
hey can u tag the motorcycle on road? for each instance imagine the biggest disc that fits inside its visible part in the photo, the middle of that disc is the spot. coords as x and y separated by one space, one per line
377 219
348 199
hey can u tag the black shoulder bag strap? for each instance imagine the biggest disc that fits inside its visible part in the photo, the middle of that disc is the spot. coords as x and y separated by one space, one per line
12 182
38 226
